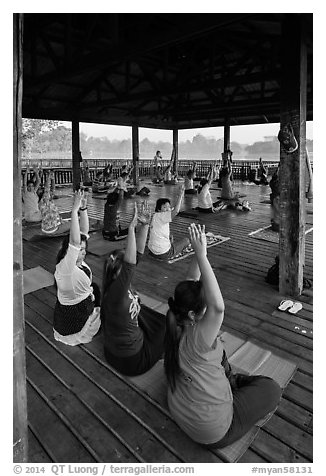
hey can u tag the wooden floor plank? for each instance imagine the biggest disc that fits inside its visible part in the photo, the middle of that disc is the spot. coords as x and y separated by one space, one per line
36 451
65 446
148 414
241 265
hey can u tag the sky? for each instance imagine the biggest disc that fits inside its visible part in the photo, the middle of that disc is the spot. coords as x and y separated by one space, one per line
240 134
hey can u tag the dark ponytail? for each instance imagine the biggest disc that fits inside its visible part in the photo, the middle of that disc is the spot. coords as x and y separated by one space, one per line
188 296
172 340
111 269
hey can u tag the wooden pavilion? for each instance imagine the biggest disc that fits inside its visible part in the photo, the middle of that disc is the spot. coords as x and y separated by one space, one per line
168 71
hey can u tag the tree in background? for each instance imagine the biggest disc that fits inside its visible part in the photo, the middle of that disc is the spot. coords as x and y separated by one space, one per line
40 136
46 136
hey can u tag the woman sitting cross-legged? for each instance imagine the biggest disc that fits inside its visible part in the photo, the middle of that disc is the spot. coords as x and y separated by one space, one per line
77 311
205 202
160 244
133 333
30 197
211 404
189 181
170 175
52 222
111 222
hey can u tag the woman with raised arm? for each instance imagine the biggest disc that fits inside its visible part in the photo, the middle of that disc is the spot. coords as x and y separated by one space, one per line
77 311
205 202
212 405
112 230
133 333
170 176
161 245
30 197
189 181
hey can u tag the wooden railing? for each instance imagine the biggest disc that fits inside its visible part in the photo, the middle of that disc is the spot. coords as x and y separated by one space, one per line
242 170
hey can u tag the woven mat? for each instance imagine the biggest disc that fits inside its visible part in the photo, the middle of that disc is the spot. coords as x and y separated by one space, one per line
188 214
34 233
244 356
267 234
37 278
56 197
236 195
212 240
96 244
100 197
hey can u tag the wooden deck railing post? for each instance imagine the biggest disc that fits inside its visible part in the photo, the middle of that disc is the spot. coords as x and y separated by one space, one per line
20 442
175 147
293 165
76 174
135 154
227 131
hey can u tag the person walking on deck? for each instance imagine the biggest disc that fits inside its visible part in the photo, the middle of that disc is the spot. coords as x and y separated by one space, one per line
211 405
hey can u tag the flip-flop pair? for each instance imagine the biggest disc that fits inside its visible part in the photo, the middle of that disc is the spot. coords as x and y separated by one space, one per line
290 306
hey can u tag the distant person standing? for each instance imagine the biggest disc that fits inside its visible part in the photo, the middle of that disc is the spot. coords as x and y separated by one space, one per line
157 168
157 159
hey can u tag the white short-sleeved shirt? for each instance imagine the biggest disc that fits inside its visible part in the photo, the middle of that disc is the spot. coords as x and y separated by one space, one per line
204 197
73 283
159 237
189 183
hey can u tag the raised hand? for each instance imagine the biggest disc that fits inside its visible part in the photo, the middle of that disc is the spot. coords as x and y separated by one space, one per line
144 213
197 238
134 220
84 199
181 190
78 196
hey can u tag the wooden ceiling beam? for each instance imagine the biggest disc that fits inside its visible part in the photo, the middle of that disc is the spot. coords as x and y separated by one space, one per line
172 90
133 51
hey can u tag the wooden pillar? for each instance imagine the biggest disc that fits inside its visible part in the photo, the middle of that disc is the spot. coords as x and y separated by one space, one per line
292 166
76 173
175 140
20 443
135 155
227 142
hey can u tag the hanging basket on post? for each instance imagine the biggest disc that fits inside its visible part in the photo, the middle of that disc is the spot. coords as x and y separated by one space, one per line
287 138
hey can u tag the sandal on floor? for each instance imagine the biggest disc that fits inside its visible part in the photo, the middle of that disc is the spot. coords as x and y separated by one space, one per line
285 305
297 306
